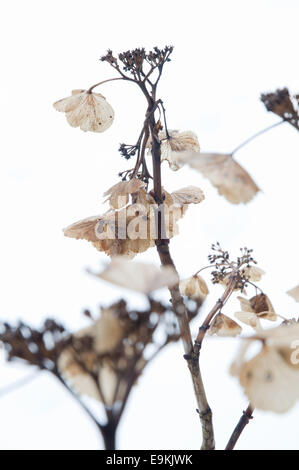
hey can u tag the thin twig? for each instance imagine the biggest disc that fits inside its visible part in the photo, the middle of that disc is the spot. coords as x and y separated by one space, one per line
18 383
243 421
257 134
104 81
218 305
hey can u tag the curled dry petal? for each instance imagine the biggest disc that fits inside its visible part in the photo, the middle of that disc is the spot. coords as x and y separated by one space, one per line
269 382
194 287
119 193
259 305
294 293
222 325
230 178
253 273
187 195
140 277
249 318
177 144
89 111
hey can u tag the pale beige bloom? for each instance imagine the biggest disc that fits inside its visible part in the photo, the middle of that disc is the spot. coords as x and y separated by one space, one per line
194 287
187 195
230 178
259 305
119 193
269 382
222 325
132 229
89 111
271 378
173 148
253 273
249 319
140 277
294 293
285 335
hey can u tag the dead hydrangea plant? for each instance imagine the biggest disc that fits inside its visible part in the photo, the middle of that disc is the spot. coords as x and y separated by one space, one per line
104 360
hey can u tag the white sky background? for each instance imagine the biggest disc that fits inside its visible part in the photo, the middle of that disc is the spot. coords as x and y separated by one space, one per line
226 54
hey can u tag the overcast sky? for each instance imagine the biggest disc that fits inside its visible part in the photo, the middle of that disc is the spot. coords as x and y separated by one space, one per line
226 54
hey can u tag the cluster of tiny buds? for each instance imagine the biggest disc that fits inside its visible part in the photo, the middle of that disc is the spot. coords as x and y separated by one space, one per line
133 60
128 151
225 267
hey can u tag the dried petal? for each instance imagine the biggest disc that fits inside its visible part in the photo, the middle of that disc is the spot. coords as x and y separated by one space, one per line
231 180
224 326
188 195
253 273
194 287
260 305
89 111
173 147
269 383
294 293
249 318
141 277
119 193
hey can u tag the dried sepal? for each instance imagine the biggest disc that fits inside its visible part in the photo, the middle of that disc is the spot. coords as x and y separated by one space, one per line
269 382
294 293
89 111
253 273
225 173
140 277
194 287
222 325
249 319
187 195
119 193
260 305
174 145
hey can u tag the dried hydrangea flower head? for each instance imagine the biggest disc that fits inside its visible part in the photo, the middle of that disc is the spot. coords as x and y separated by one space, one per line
133 228
87 110
284 105
222 325
269 382
229 177
294 293
174 144
271 378
140 277
194 287
258 307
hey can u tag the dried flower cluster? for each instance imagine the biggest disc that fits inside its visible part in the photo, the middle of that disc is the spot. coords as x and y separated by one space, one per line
271 378
281 103
130 229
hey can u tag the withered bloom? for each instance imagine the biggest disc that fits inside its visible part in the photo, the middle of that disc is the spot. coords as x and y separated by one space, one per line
89 111
194 287
283 105
222 325
174 144
133 228
140 277
226 174
271 378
